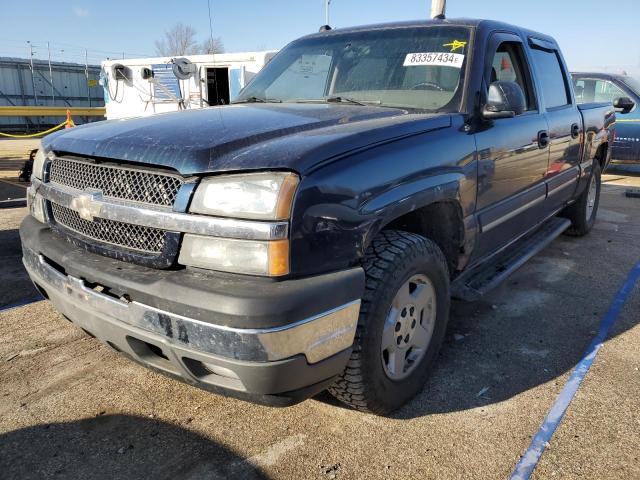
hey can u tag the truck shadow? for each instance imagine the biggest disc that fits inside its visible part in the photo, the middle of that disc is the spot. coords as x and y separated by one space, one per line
15 284
117 446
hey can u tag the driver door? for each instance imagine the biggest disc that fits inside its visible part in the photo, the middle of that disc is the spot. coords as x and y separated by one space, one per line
513 154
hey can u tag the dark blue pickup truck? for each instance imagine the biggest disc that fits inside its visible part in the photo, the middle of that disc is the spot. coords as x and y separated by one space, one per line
311 235
623 92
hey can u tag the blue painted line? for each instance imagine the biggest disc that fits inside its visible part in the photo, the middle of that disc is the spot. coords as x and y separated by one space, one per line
531 457
21 303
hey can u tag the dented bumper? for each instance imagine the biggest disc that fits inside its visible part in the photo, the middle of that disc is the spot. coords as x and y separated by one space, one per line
287 361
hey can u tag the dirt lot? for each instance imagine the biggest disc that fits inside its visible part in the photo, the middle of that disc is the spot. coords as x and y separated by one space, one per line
72 408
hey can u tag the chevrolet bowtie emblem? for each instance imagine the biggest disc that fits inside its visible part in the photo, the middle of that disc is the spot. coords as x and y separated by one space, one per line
87 205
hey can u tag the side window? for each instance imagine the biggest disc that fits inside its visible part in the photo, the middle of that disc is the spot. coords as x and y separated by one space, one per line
508 64
607 92
584 89
551 77
578 88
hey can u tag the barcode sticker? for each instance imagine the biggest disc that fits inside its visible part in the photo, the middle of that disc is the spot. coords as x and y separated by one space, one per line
434 58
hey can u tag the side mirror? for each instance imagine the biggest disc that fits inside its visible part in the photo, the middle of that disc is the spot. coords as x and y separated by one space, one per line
504 100
623 104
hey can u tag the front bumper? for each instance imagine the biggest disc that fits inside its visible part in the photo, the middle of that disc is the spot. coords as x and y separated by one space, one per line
248 355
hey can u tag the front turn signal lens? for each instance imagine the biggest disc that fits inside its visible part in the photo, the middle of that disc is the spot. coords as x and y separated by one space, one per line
278 258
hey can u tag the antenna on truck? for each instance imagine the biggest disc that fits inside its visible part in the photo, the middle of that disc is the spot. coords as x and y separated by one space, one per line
437 9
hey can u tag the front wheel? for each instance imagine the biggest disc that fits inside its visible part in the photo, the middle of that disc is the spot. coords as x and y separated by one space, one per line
584 211
403 318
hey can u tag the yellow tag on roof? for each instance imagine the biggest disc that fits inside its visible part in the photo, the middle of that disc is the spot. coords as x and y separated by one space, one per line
455 45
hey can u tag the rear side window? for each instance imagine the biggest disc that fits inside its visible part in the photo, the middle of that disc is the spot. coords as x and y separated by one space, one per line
583 91
551 78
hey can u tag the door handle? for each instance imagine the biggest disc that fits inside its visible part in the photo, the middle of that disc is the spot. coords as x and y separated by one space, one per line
543 139
575 130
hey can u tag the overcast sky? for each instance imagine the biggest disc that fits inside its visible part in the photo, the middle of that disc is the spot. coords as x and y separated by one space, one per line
590 32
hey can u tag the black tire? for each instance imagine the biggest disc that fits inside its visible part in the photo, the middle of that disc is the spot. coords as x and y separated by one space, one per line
392 259
581 220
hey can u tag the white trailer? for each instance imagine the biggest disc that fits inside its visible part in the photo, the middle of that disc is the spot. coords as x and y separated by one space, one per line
144 86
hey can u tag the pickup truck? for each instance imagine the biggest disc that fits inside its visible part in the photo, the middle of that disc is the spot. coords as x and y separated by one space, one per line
623 92
311 235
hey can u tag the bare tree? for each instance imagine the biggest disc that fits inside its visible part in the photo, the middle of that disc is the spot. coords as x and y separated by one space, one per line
180 40
212 45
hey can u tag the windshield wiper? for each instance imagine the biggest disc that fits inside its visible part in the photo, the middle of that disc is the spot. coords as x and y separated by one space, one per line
258 100
353 101
363 103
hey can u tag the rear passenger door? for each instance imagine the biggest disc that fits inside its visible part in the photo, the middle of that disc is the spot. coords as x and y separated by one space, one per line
564 120
512 154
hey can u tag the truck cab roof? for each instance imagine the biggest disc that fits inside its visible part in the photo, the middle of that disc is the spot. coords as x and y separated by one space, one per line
482 26
602 75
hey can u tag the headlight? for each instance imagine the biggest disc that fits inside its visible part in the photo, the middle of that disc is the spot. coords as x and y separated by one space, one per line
256 196
38 162
238 256
246 196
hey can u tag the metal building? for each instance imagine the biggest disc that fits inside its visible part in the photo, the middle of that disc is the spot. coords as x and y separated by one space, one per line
30 83
145 86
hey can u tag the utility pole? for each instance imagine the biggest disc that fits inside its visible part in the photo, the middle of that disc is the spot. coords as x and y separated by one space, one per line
86 74
438 8
53 94
33 82
326 11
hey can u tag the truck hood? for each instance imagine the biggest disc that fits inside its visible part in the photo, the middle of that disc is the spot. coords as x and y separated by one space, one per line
296 137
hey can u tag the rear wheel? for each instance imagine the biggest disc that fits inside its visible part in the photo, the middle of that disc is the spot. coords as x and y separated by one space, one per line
584 211
402 323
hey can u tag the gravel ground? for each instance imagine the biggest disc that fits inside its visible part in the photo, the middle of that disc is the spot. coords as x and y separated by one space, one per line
72 408
13 153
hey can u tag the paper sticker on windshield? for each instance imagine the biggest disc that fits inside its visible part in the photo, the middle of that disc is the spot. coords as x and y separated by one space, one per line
434 58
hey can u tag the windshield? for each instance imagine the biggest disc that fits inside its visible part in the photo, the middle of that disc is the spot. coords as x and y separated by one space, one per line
419 68
633 84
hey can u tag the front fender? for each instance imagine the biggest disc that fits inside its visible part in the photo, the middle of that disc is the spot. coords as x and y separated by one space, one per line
340 208
414 195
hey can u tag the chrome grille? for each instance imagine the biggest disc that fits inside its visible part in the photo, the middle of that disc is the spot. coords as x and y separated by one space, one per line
137 185
134 237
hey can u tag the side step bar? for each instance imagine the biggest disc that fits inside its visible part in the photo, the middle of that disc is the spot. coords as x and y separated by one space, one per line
473 284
